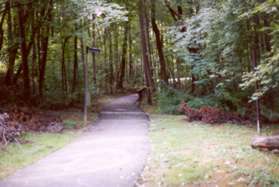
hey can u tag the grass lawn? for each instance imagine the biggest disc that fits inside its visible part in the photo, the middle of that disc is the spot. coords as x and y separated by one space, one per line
196 154
39 145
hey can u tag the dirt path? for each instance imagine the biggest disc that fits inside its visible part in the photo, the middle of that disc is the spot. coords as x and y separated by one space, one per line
111 154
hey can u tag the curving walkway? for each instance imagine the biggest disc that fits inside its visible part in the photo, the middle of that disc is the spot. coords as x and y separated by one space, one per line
111 154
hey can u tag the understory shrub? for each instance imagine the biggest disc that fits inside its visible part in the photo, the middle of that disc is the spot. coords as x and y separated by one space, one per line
169 99
209 115
199 102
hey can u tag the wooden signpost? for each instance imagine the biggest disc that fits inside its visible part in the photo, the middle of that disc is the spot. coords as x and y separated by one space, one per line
87 100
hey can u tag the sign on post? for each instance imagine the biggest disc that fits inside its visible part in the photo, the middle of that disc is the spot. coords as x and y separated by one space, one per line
93 50
87 99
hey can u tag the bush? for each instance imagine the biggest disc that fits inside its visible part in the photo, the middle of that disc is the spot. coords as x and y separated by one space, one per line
199 102
212 115
209 115
169 99
191 113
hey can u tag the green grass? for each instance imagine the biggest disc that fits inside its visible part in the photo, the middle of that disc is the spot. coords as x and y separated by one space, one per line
185 154
37 146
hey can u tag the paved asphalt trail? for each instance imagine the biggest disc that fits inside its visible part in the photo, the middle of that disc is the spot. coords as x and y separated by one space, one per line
111 154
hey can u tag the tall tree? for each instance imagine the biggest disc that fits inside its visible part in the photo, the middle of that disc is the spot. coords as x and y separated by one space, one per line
159 43
122 69
43 44
145 52
13 44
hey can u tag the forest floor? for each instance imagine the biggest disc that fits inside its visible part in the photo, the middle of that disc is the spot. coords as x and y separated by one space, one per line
197 154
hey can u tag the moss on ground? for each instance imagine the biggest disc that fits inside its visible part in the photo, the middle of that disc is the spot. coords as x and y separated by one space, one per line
186 154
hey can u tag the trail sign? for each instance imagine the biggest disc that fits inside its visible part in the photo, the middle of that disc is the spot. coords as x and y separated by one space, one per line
87 99
93 50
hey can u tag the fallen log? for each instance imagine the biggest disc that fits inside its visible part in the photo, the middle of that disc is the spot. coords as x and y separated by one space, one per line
266 142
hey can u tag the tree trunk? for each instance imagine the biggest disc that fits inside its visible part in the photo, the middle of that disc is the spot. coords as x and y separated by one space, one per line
111 75
5 11
42 62
75 68
85 80
178 75
255 50
94 56
105 62
148 40
63 67
24 52
116 50
144 46
43 42
130 73
124 58
12 49
159 43
34 68
270 143
193 84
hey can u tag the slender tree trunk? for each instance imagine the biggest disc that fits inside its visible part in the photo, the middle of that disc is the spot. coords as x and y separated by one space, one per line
111 76
105 62
34 68
24 52
255 58
178 67
94 56
148 39
193 85
159 43
12 48
6 10
130 73
124 58
63 67
144 45
34 57
116 49
43 43
42 63
85 80
75 68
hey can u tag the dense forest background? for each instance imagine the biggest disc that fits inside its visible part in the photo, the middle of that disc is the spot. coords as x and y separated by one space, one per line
223 54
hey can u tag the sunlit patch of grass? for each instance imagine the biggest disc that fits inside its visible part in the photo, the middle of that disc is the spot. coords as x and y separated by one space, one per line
37 145
194 153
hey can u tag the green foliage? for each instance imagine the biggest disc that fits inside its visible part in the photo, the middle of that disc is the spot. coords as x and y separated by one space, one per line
266 74
102 12
200 102
216 48
169 99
